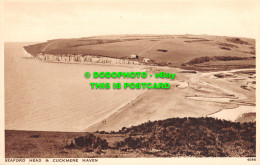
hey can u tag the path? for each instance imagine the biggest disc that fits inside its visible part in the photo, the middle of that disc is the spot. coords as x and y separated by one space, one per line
48 45
149 48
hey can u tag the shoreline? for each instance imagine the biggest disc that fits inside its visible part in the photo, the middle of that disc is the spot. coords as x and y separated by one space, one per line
114 111
222 114
201 82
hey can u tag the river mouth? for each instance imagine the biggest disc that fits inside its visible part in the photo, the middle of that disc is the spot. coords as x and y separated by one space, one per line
45 96
236 113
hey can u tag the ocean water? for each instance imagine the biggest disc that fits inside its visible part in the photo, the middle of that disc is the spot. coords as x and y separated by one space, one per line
46 96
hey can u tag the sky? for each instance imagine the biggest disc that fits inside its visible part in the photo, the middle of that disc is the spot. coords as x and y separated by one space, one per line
41 21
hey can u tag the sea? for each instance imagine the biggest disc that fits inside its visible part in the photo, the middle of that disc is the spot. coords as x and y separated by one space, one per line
45 96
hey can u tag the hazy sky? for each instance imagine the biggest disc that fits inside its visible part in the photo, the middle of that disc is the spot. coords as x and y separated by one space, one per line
43 21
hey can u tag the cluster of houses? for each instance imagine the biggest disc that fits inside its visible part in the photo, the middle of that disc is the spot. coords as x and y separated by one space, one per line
135 56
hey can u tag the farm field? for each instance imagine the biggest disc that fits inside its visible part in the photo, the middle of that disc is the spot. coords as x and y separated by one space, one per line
215 79
170 50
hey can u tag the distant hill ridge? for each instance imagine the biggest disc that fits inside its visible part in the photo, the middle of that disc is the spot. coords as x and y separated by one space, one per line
177 49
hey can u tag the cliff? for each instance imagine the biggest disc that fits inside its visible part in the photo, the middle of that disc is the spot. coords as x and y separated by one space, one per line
164 50
83 59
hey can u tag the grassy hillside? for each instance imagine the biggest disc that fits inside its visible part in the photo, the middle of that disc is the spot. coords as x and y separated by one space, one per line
164 50
192 137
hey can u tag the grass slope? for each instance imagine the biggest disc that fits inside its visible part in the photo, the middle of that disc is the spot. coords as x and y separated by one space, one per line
192 137
177 50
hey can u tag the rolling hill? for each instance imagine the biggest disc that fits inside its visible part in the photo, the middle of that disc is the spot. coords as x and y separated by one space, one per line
174 137
172 50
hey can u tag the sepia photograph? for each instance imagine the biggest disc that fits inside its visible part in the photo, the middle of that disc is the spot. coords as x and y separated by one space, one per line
89 80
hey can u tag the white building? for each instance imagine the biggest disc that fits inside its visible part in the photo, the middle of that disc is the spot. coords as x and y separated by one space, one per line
134 56
146 60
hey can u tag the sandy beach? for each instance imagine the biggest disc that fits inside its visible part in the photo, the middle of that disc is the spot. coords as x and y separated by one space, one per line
67 103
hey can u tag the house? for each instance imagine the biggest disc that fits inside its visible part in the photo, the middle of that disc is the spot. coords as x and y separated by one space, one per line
134 56
146 60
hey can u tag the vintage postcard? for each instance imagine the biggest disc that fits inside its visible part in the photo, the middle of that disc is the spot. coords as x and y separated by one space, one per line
129 82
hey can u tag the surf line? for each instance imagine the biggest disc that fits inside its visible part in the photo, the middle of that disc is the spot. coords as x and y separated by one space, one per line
116 110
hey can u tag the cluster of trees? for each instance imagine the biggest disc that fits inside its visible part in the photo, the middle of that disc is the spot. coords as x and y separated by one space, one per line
200 60
162 50
237 41
193 137
90 142
199 137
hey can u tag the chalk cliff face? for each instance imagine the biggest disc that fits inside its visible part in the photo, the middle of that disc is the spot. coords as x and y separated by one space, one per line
26 54
83 59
